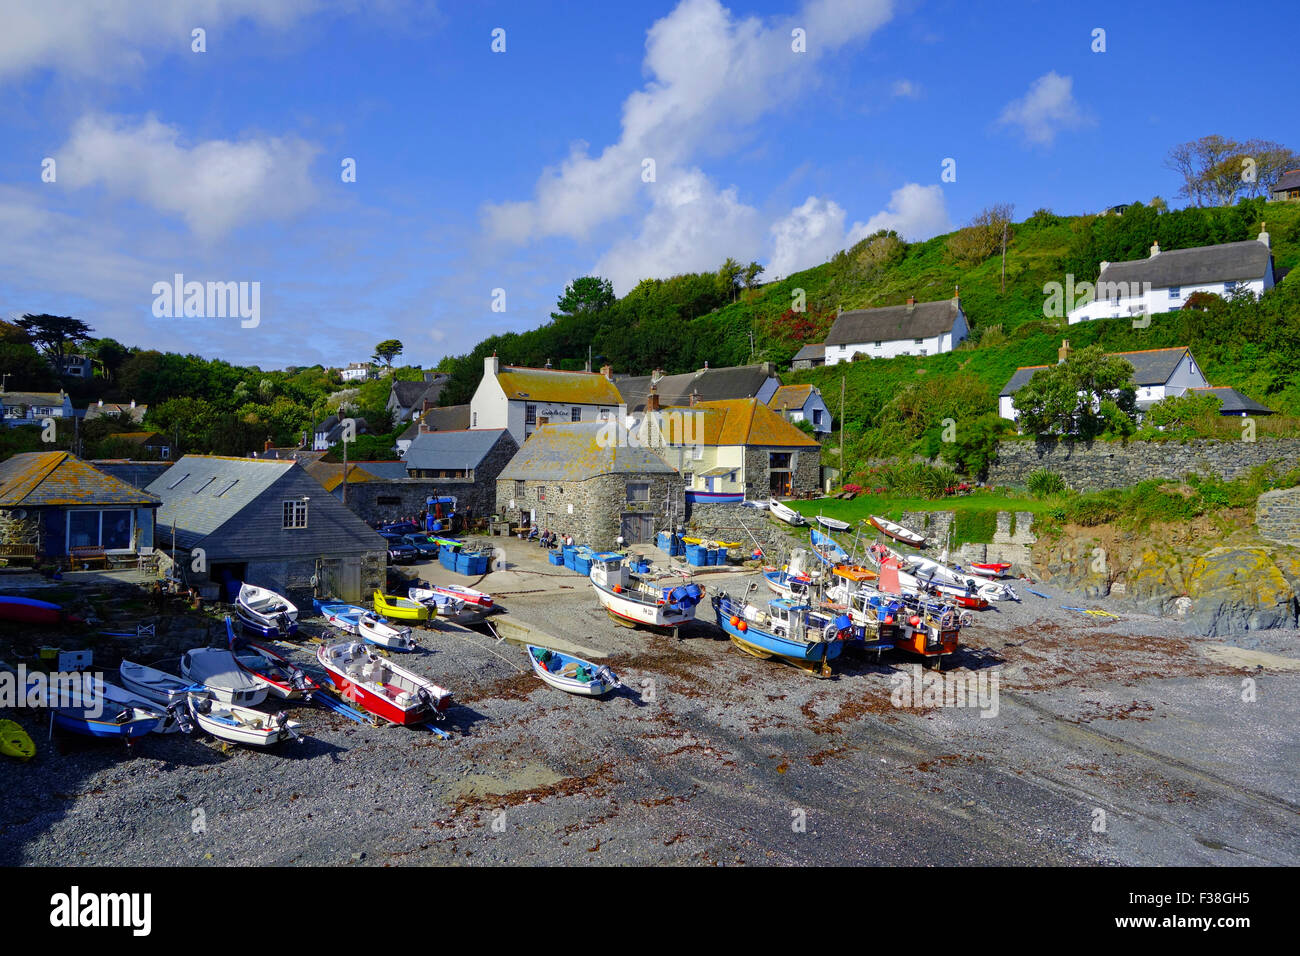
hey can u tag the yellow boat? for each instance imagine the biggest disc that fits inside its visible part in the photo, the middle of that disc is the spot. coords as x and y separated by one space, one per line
400 608
14 741
710 543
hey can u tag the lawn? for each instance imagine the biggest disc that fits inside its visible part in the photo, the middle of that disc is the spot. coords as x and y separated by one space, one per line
976 512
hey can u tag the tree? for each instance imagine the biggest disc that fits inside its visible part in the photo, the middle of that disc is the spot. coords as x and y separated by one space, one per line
751 274
975 444
584 295
729 277
386 351
53 334
1216 170
1080 397
983 237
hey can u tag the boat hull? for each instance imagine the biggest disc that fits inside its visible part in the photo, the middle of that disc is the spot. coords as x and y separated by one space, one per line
598 686
810 655
897 532
361 694
715 497
641 613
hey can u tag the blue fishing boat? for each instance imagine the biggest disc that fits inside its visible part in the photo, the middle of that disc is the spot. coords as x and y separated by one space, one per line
827 548
346 617
787 629
95 708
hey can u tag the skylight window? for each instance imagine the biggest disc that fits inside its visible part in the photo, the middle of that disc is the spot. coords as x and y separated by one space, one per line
179 480
227 487
204 485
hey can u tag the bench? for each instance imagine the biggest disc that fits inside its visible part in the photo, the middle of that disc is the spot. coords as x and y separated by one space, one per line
18 552
87 554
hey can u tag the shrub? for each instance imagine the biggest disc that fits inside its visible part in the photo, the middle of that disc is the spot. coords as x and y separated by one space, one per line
1043 483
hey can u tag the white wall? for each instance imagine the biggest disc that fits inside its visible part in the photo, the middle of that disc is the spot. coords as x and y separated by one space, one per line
933 345
1158 300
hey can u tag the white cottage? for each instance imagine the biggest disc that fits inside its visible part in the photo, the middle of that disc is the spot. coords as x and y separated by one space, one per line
519 399
915 328
1164 281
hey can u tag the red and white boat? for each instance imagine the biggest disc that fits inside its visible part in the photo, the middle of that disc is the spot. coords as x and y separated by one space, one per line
993 570
364 679
281 677
897 531
479 599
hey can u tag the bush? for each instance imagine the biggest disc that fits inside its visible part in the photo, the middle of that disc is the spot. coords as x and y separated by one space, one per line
1043 483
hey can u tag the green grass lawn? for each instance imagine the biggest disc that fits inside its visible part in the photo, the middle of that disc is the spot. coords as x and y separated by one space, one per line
976 512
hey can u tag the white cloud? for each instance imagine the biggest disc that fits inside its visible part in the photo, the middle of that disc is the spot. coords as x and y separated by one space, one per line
691 227
107 37
1047 108
710 75
813 232
905 89
215 186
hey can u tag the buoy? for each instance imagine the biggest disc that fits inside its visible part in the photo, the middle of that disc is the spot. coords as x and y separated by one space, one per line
889 619
743 626
914 620
735 621
618 589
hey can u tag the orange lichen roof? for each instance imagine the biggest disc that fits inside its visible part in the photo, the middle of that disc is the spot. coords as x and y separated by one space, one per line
555 385
790 396
330 473
747 421
42 478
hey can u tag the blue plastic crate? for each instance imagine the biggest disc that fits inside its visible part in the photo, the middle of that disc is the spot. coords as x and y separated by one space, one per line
556 558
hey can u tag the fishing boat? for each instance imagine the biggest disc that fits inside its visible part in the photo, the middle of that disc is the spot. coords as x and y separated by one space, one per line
265 612
783 511
571 674
219 672
383 688
446 607
785 629
375 630
714 497
827 548
241 725
927 629
633 601
468 595
85 708
991 570
152 684
897 531
14 741
282 678
794 579
833 524
400 608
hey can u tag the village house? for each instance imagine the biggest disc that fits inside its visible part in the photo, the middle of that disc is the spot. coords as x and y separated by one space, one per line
706 385
1232 402
733 449
77 366
810 356
1287 188
267 522
330 432
448 418
32 408
406 398
148 445
569 479
914 328
522 399
1157 374
357 372
102 408
802 403
1164 281
53 506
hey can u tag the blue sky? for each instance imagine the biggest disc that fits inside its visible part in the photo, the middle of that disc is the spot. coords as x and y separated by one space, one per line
520 170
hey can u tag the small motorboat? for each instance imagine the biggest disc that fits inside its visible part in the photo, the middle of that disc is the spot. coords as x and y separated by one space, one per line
95 708
476 598
265 612
25 610
787 514
572 674
281 677
833 524
241 725
345 617
632 601
446 607
219 671
14 741
897 531
366 680
152 684
991 570
400 608
827 548
375 630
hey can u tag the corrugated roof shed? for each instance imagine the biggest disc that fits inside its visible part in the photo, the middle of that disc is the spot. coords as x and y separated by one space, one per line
1235 261
47 478
574 452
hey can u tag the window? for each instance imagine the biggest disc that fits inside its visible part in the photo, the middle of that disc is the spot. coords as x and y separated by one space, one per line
1229 287
638 491
918 341
295 514
519 490
541 492
817 416
204 485
389 500
874 345
473 420
530 414
112 530
576 415
1175 292
221 491
179 480
779 459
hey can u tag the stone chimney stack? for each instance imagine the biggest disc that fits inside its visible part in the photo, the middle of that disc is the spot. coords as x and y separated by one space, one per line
1155 249
607 371
911 301
491 365
267 446
1063 352
695 398
652 400
1263 234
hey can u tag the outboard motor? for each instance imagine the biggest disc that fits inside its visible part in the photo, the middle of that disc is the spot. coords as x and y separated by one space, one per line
603 673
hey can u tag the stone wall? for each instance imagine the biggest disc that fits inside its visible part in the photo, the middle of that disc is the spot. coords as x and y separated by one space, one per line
16 530
592 510
1277 516
746 525
806 476
1112 465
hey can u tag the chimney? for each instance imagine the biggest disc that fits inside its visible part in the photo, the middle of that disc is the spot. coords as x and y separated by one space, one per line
652 400
1104 264
491 366
1155 249
548 363
101 403
1063 352
304 438
133 404
956 292
1263 234
607 371
911 301
695 398
267 446
656 375
706 365
424 429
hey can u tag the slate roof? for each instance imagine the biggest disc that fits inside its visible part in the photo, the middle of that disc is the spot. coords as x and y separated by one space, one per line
332 427
893 322
574 452
95 410
1150 367
556 385
40 479
789 397
456 450
711 384
330 473
411 394
745 422
11 399
1288 180
1234 261
449 418
1233 401
138 474
811 353
233 508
